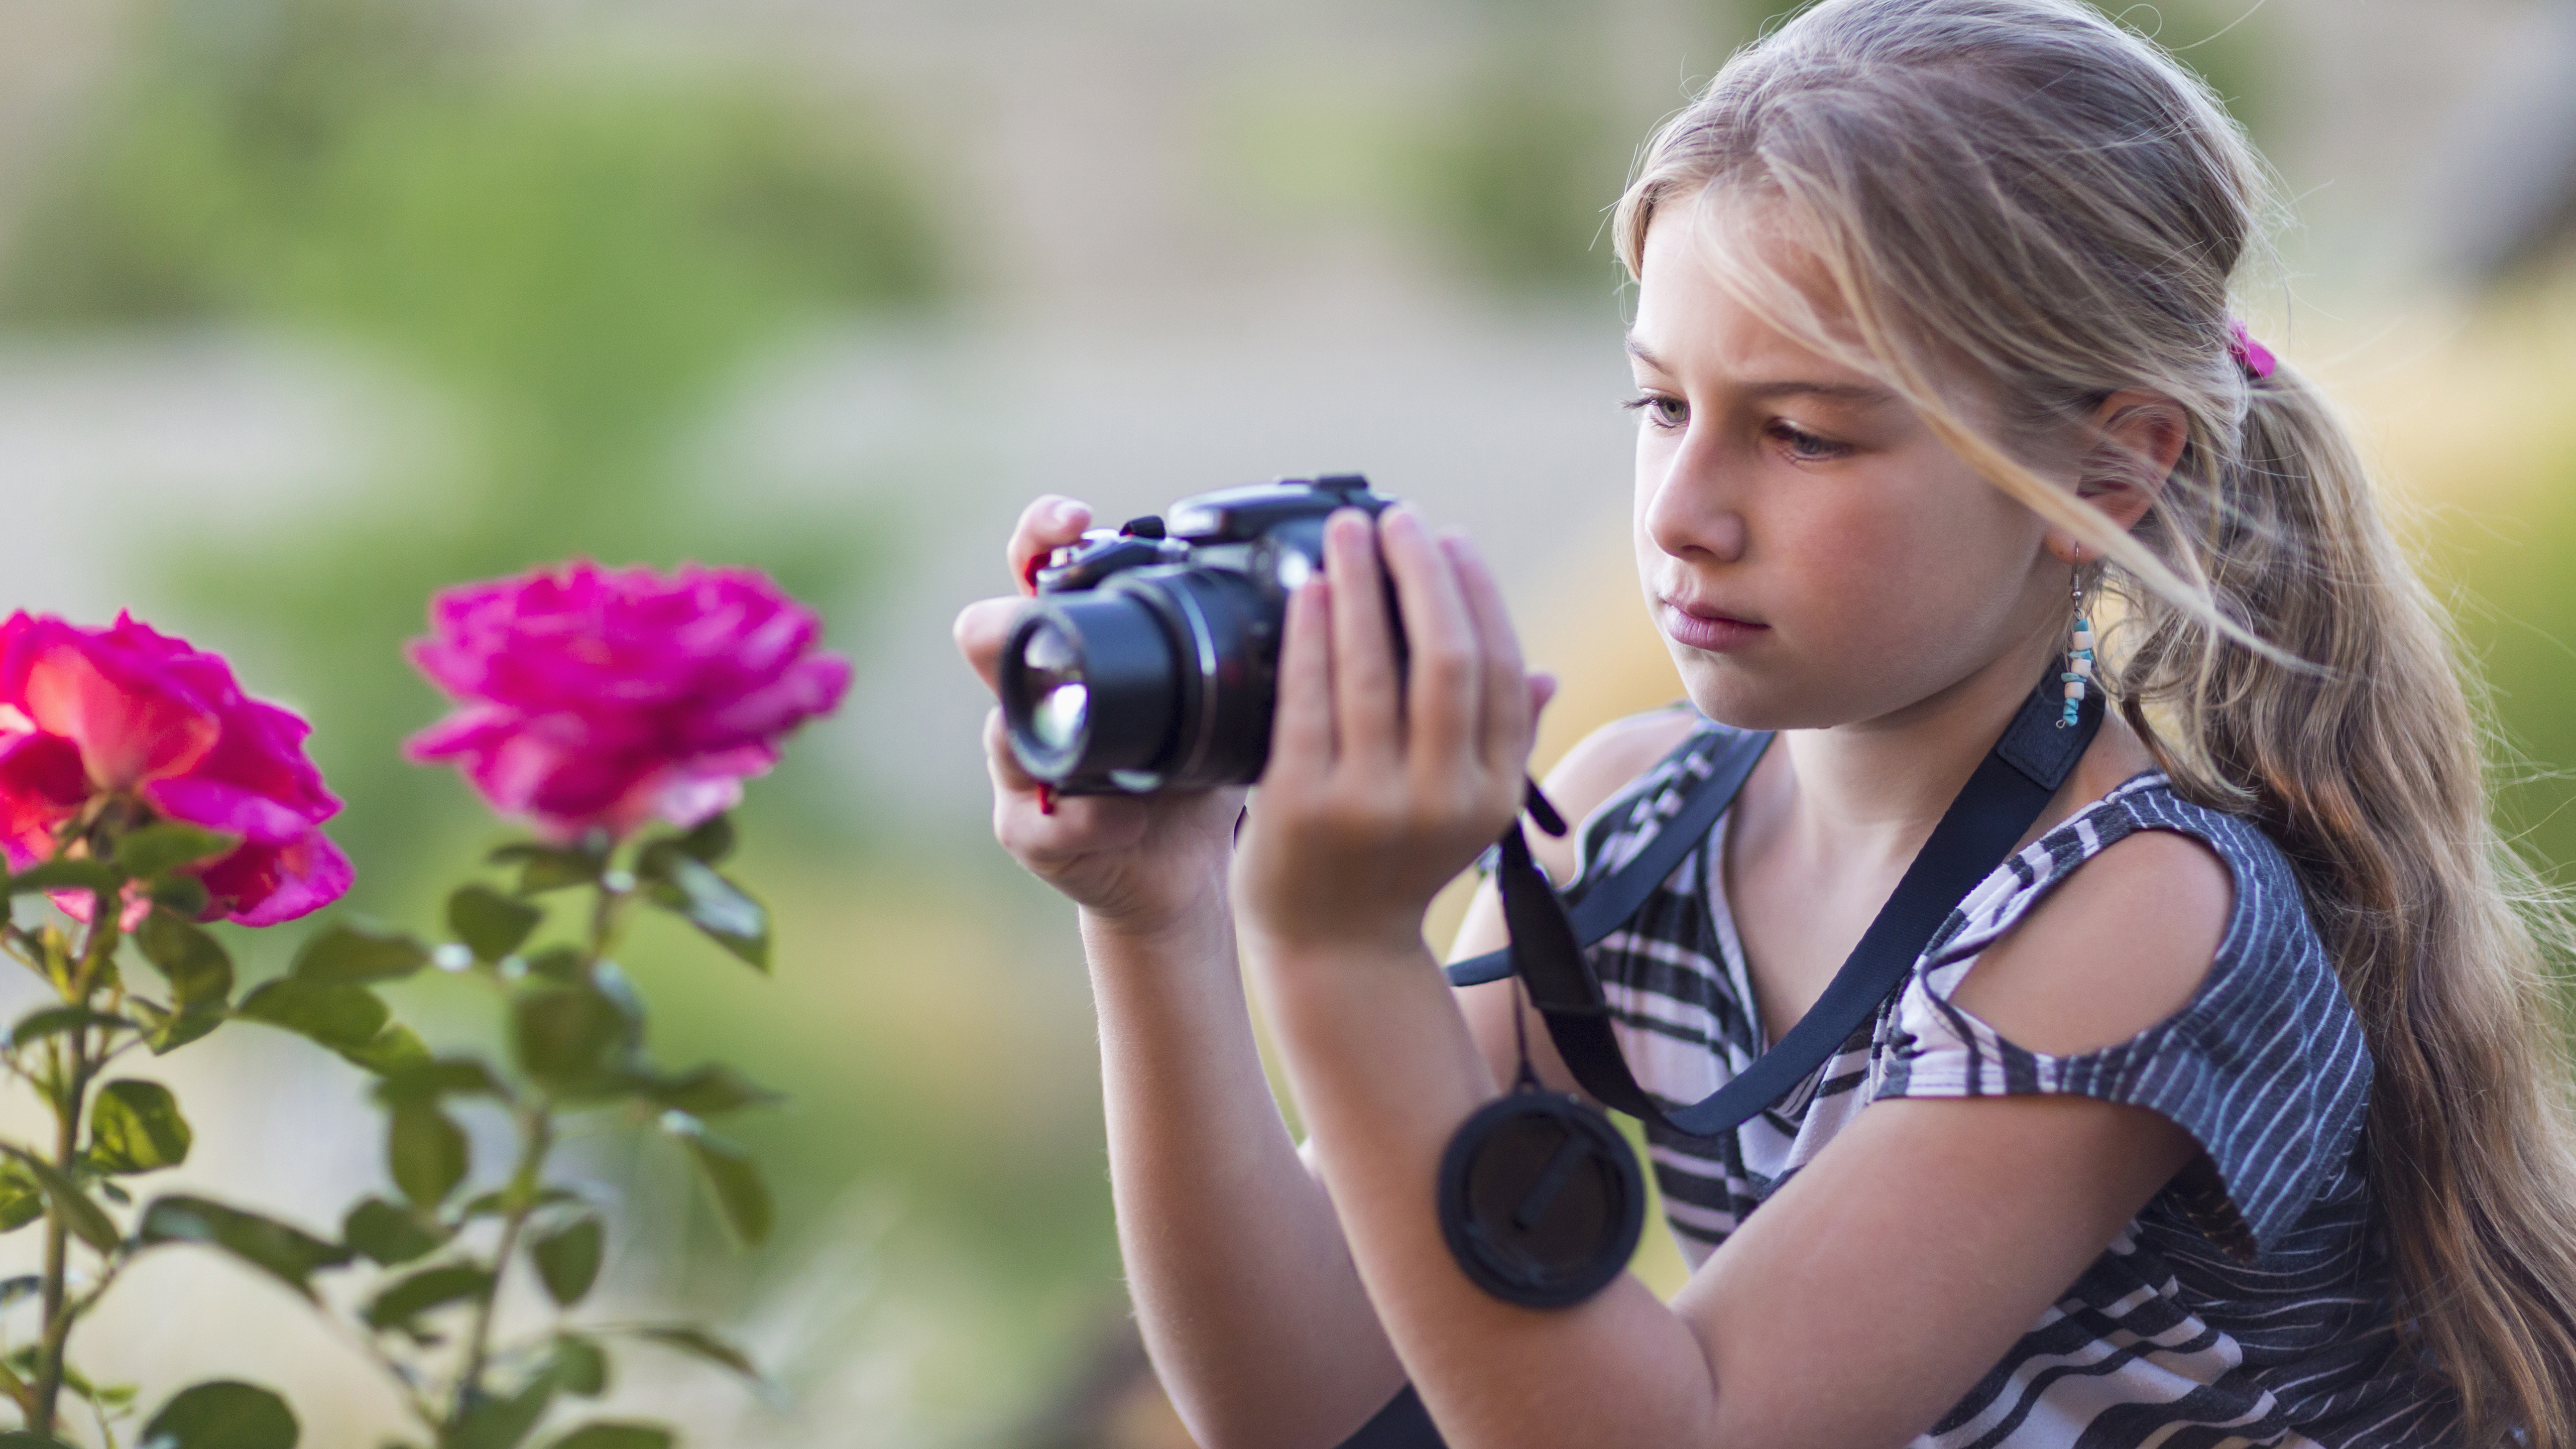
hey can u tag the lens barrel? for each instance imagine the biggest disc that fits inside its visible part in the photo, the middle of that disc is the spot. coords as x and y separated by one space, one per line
1158 679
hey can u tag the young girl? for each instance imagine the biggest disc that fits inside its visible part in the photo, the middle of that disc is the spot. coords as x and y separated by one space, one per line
2228 1110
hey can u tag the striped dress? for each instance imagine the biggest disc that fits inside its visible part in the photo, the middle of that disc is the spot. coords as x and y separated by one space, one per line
2249 1303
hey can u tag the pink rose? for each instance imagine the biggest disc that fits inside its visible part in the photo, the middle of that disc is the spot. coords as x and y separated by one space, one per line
592 697
128 711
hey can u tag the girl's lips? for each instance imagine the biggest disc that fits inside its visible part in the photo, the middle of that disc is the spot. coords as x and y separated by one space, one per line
1714 632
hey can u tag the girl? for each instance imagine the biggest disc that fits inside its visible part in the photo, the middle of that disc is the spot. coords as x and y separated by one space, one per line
2228 1110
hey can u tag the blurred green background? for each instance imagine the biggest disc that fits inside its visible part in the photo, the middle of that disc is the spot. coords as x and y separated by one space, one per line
308 307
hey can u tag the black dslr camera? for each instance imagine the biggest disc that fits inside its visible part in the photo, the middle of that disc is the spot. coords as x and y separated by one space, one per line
1149 659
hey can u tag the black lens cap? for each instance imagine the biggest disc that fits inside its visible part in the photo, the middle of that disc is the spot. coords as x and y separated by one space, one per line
1540 1199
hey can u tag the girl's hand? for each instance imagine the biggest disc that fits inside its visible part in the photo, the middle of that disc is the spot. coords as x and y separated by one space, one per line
1382 785
1137 864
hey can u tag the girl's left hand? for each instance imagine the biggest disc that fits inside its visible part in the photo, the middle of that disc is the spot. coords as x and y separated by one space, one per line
1383 785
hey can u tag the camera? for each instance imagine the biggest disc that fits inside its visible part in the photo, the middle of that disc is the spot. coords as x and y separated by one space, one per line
1149 659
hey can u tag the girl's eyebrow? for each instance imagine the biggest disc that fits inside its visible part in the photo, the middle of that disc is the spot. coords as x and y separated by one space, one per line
1865 394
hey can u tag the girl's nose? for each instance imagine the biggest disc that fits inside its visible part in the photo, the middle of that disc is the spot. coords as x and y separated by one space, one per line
1690 511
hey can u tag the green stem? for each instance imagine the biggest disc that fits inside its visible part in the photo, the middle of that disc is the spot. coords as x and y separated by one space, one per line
536 1138
68 1104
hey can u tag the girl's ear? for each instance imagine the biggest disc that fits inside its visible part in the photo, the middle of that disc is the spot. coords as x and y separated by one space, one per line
2137 439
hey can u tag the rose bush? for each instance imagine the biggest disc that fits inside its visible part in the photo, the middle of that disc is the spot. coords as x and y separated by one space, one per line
599 699
129 713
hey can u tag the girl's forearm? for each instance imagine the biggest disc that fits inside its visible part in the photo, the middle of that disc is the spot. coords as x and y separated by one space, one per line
1246 1294
1384 1070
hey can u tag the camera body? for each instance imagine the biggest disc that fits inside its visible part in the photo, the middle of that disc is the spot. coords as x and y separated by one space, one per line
1149 659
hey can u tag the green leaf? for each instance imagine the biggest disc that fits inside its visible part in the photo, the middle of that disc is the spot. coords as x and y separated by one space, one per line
21 1200
610 1434
496 1204
724 911
37 1025
195 964
347 955
426 1152
180 894
735 1179
88 1221
551 867
437 1077
162 848
711 841
491 924
343 1018
136 1127
705 1091
289 1254
222 1415
702 1344
557 963
430 1288
562 1033
394 1048
568 1259
166 1031
22 1439
390 1235
579 1366
95 876
491 1422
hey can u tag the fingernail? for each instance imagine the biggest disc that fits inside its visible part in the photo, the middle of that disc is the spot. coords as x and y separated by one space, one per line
1068 510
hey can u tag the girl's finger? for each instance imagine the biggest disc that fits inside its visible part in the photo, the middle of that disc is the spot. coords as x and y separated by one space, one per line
1366 702
1443 673
1301 728
981 628
1507 709
1045 525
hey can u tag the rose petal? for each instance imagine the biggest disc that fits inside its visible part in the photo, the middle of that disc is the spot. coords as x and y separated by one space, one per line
262 885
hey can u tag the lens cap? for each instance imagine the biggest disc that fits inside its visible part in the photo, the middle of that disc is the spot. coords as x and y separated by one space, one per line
1540 1199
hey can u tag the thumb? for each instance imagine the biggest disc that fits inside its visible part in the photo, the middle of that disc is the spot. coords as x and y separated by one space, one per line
1542 689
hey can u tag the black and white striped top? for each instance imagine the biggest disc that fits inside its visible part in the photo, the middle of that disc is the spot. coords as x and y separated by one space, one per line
2249 1303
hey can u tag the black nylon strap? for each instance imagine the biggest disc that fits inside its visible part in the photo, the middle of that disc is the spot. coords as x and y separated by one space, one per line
1608 905
2009 789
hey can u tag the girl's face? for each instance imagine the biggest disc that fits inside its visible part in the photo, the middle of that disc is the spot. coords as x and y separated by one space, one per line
1811 552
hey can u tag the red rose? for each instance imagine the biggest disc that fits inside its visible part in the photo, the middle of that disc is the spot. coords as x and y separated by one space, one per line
127 711
604 698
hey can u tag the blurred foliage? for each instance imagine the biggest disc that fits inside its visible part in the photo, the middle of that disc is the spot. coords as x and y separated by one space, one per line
577 261
1519 167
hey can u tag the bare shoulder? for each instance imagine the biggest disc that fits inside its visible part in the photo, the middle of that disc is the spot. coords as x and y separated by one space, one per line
2119 945
1604 761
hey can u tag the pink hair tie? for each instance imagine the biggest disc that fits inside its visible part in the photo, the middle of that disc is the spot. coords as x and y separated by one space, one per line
2253 356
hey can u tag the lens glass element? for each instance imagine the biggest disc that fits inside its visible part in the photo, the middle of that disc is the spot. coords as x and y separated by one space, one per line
1059 700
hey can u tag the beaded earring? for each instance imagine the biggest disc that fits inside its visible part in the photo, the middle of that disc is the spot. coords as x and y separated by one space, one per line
2079 653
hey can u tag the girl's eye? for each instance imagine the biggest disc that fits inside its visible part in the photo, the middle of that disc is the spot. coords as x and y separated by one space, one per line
1804 446
1660 411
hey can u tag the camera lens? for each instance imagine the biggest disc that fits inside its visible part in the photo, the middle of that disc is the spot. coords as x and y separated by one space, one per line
1090 685
1060 703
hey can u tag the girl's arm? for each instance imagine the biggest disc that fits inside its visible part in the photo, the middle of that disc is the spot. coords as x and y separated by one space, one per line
1244 1289
1883 1279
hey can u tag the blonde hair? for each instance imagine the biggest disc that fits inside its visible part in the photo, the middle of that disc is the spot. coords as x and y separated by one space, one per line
2024 194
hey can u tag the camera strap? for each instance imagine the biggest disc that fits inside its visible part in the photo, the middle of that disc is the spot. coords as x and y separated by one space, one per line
2009 789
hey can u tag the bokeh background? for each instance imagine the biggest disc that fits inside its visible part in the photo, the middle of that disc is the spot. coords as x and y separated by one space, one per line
310 306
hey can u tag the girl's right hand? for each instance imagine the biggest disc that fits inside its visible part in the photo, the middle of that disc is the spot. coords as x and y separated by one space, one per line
1140 864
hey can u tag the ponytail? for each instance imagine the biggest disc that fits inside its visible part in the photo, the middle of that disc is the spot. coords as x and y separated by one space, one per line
2367 774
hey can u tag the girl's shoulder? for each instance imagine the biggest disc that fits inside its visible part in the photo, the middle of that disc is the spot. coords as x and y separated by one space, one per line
1614 764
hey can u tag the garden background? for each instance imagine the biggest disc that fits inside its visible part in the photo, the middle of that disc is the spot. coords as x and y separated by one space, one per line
310 306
